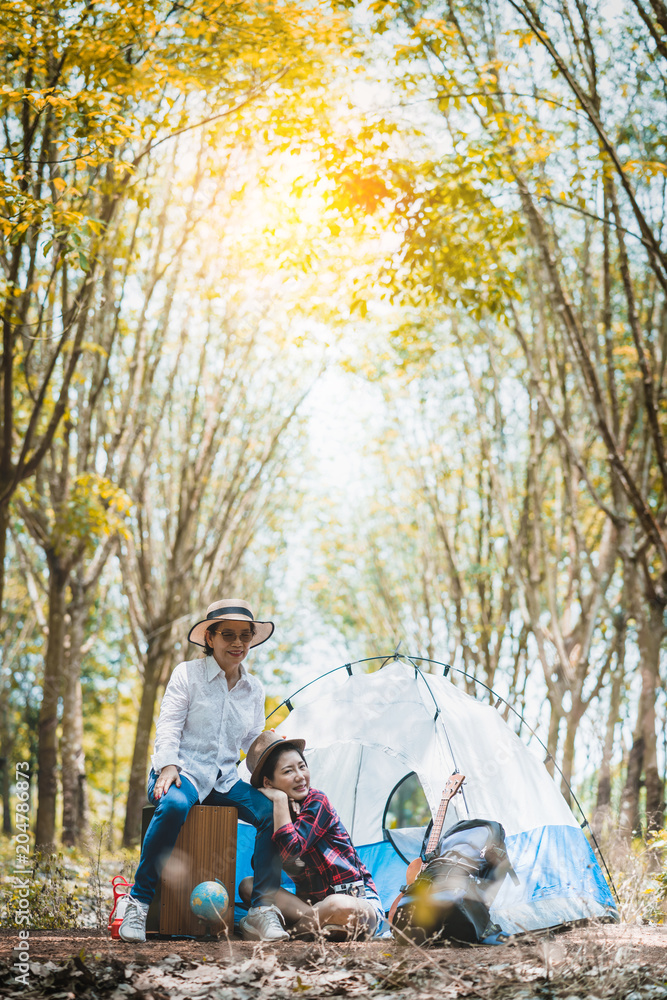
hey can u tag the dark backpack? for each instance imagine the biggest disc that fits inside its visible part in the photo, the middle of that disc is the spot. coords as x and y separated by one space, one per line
451 897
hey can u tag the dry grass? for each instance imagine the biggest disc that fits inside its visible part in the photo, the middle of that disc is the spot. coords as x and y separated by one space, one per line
639 875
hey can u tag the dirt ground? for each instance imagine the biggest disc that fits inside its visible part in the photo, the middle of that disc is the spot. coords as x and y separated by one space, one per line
607 961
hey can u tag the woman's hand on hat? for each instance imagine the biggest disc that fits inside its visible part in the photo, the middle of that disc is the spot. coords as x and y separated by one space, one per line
168 776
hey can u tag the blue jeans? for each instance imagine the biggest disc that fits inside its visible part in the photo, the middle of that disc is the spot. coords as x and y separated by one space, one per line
170 814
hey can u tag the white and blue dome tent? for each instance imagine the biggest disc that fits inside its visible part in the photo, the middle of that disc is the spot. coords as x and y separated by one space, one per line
381 743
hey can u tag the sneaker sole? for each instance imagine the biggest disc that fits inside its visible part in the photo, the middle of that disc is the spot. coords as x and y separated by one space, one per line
132 940
250 934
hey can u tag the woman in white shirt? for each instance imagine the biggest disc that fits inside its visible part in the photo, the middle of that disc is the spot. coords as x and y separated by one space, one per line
212 707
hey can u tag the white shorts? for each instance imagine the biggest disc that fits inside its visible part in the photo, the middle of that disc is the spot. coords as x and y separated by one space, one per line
375 901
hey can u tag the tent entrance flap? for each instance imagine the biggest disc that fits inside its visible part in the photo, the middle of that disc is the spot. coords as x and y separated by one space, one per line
406 817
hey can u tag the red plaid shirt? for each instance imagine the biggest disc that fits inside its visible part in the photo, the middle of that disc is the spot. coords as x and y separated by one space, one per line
318 839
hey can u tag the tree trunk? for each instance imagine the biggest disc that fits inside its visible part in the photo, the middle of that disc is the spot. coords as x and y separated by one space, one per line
552 738
603 804
136 796
4 528
644 754
628 819
114 762
75 799
6 804
47 754
650 634
5 762
574 717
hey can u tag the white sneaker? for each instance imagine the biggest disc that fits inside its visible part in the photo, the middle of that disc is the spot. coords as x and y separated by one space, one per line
263 923
133 927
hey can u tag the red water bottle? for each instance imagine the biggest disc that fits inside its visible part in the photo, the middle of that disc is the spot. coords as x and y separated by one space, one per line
121 889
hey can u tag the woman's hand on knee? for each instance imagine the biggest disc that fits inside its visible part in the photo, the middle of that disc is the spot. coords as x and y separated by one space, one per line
168 776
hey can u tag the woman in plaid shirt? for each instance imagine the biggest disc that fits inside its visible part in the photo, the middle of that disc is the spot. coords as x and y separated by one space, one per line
335 892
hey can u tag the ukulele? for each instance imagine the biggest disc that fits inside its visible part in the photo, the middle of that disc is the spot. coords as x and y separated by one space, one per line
416 867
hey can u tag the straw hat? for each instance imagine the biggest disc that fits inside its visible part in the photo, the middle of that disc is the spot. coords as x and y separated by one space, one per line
230 610
262 747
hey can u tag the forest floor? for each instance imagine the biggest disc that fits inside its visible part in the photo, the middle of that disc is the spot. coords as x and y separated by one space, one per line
608 961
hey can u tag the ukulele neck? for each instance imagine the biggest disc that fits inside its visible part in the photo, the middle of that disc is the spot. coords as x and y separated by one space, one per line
438 822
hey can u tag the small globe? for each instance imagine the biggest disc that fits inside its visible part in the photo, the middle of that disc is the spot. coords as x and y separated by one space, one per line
209 901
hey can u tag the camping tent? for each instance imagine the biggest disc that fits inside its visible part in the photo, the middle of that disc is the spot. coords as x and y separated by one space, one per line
377 742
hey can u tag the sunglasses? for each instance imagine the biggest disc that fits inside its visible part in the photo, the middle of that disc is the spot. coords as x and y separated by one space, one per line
229 636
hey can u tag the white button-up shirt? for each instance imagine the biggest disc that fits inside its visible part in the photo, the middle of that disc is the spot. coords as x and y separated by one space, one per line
202 723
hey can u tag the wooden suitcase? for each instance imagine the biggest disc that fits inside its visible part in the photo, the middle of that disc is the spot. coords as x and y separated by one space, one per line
205 849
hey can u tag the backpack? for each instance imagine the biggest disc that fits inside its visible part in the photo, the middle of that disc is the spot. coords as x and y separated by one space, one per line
451 897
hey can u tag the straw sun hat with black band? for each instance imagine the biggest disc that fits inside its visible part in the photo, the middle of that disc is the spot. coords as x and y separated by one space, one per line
231 609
